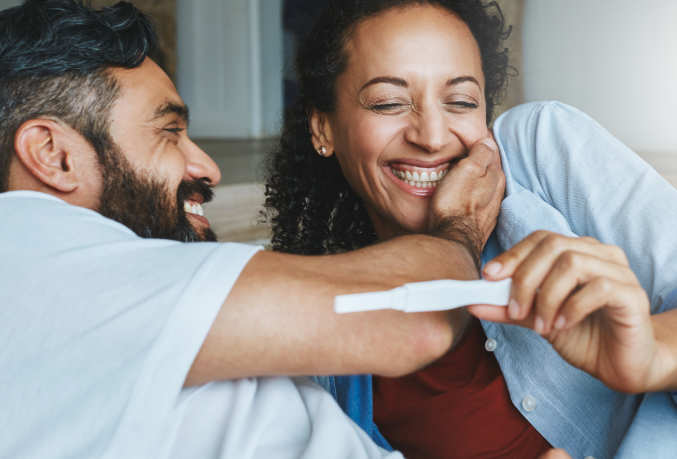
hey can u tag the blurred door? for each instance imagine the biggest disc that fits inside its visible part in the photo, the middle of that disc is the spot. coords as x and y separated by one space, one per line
230 66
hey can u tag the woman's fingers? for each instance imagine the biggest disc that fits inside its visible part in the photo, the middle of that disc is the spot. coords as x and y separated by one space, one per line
555 454
571 270
498 314
505 265
623 301
531 261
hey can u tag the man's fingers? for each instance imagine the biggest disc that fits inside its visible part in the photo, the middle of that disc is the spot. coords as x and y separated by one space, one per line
570 270
480 157
484 152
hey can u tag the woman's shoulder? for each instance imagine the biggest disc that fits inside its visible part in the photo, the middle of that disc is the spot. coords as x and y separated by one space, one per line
549 111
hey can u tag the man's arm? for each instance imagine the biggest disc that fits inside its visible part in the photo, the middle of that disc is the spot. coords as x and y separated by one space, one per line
279 317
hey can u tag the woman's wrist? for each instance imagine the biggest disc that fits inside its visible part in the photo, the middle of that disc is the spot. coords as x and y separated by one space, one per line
664 373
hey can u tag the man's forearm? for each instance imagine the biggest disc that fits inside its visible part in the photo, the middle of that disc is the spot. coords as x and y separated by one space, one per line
279 318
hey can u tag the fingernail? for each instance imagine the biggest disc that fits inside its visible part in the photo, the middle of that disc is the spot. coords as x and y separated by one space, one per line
538 325
490 143
560 323
492 268
513 309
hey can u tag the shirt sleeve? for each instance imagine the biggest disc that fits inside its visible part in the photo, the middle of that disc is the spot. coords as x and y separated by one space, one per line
600 187
100 328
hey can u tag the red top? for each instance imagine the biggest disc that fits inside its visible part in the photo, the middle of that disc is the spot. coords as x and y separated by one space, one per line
458 407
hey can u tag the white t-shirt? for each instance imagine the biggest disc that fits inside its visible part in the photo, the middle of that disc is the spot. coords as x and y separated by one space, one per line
98 329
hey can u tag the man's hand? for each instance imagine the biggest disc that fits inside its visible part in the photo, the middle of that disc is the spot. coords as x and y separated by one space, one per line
583 297
468 199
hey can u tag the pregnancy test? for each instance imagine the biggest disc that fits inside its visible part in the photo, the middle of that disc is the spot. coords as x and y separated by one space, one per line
437 295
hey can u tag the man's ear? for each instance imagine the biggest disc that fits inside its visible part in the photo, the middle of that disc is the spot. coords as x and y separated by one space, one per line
42 146
321 131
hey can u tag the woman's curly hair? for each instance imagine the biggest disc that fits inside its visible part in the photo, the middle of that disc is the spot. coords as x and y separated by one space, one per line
309 202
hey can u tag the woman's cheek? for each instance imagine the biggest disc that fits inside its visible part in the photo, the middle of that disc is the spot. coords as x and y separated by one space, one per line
470 130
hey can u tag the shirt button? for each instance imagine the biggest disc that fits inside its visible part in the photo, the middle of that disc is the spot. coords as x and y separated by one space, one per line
490 345
529 403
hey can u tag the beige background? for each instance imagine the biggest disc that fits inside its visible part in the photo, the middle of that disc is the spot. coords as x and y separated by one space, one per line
165 13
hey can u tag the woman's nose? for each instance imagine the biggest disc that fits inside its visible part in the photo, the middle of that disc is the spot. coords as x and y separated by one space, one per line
428 130
199 165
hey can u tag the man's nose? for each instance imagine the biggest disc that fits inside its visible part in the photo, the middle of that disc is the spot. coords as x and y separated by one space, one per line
200 165
428 129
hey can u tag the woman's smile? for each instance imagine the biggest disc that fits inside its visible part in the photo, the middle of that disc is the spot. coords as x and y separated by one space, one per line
415 179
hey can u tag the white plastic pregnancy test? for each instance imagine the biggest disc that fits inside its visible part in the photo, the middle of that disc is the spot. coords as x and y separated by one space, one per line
428 296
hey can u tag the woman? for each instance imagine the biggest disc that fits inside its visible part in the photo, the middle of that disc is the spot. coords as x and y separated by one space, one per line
393 95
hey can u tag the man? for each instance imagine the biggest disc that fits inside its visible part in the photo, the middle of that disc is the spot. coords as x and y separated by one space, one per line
105 320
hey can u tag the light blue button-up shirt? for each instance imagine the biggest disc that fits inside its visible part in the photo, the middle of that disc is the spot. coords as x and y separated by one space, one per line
567 174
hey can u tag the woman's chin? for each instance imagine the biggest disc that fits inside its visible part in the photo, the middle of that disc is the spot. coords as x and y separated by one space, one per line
398 220
411 225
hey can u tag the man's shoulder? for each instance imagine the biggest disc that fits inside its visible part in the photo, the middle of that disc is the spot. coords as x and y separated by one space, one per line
33 215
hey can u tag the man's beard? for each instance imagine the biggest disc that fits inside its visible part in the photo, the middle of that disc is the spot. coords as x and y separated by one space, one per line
146 205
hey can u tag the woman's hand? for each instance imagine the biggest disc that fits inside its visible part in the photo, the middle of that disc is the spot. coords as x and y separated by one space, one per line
583 297
555 454
472 191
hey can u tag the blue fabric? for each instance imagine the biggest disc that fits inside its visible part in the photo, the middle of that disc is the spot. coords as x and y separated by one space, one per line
354 396
567 174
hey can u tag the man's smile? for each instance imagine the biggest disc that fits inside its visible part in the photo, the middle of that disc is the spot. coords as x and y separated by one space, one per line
195 213
193 207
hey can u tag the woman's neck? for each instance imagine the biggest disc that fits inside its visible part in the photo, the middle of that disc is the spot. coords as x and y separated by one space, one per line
385 229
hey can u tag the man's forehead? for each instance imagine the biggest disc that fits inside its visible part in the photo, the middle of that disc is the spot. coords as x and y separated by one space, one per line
148 91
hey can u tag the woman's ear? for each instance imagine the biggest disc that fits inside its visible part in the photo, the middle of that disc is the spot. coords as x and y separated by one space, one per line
42 146
320 129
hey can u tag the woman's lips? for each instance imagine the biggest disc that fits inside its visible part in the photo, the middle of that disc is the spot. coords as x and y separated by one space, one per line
420 181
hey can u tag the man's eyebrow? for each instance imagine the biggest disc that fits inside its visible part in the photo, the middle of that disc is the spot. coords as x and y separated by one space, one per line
386 79
172 108
462 79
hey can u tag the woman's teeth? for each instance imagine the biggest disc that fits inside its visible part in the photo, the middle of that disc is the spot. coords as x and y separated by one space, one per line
420 181
194 209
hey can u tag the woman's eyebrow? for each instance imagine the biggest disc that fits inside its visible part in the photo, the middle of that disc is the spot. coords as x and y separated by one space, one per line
386 79
462 79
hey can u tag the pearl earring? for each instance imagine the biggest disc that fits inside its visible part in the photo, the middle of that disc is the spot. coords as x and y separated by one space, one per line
322 150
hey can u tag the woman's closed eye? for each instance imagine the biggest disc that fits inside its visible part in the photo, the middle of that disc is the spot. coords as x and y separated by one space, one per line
461 104
386 106
464 104
391 106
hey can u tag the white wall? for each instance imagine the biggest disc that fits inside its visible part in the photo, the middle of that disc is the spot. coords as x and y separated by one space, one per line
230 66
614 59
